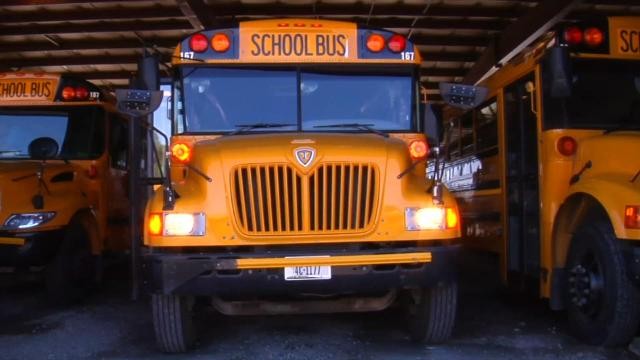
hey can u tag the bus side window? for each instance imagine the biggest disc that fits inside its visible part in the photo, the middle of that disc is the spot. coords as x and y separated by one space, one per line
118 142
487 126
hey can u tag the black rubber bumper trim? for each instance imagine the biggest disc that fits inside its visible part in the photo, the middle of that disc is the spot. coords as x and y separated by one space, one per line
200 274
38 249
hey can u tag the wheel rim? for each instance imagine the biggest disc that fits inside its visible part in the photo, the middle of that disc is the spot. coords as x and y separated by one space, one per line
586 285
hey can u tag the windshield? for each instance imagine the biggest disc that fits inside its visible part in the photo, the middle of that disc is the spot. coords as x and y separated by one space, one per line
79 131
605 95
222 100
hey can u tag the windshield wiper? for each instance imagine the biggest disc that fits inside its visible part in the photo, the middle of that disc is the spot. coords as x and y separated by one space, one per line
367 127
249 127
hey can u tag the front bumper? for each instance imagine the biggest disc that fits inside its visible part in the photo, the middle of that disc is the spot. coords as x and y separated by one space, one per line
262 274
29 249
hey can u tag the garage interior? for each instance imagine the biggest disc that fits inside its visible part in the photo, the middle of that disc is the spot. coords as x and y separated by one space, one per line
460 40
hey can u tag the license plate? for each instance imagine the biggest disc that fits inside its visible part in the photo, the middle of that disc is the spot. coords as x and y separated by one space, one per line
292 273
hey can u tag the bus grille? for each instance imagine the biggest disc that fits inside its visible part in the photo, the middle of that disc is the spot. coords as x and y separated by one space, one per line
276 199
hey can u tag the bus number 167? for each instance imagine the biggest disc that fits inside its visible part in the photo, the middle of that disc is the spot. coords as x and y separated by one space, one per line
408 55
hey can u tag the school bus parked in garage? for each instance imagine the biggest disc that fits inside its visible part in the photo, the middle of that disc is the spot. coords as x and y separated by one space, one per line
298 181
547 173
63 158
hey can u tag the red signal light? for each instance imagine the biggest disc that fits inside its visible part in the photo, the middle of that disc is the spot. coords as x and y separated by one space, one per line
632 217
68 93
567 145
82 93
573 35
418 149
397 43
220 42
593 37
375 43
198 43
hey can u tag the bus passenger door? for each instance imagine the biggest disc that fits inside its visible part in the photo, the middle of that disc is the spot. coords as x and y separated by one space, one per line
118 184
523 242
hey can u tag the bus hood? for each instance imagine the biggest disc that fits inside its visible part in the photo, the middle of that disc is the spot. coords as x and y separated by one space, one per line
614 154
302 151
19 183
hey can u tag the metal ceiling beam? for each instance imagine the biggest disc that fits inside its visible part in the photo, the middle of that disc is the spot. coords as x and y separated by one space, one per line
519 35
197 12
362 9
75 60
450 40
101 27
55 2
449 72
97 44
450 56
119 13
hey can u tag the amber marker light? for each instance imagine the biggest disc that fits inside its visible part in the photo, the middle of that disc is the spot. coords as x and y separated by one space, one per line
452 218
418 149
155 224
632 217
220 42
375 43
181 153
567 146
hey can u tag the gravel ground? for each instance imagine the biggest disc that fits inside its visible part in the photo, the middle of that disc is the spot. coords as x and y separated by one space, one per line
109 325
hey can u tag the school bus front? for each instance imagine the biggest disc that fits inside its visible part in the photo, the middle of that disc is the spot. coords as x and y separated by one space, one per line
298 175
60 186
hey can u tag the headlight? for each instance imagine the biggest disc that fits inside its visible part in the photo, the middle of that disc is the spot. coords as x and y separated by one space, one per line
27 221
430 218
176 224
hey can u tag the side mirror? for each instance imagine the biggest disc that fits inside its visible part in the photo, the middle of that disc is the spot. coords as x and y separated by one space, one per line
463 96
432 123
560 77
43 148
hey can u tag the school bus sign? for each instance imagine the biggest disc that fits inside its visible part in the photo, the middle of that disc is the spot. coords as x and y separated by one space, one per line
20 87
625 39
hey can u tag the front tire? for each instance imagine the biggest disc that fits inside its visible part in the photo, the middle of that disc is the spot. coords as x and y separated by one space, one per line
432 313
173 322
602 301
73 271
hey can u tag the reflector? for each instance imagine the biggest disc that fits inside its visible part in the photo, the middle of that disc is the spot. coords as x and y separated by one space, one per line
567 145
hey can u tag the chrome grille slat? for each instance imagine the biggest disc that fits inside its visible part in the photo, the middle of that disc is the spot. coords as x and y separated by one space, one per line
276 199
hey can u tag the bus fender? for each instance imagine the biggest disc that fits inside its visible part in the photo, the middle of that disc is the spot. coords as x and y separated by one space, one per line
595 197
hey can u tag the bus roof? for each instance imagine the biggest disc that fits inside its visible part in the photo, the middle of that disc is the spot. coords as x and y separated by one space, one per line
296 41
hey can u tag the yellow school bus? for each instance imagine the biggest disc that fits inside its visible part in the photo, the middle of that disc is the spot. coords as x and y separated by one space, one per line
298 181
63 159
547 171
